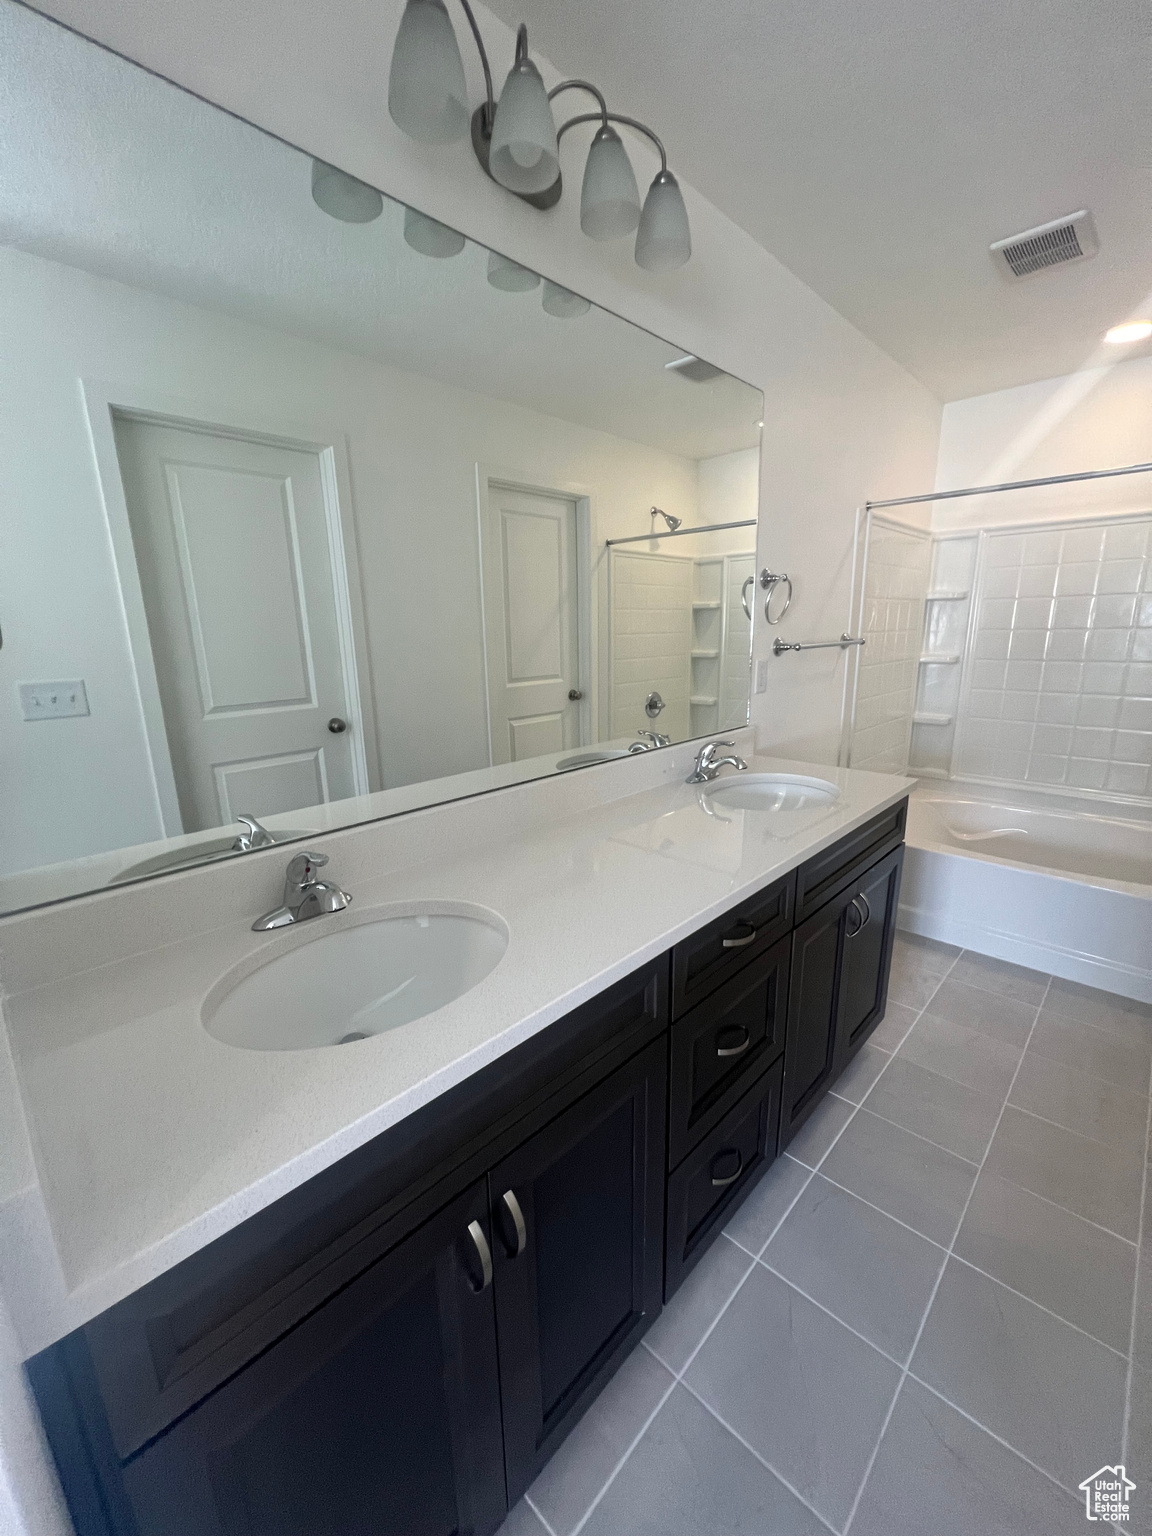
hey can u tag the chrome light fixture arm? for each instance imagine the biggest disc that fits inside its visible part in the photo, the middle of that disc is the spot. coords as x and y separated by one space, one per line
489 107
611 117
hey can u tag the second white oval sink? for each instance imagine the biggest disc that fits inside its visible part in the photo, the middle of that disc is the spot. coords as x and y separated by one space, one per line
357 980
775 792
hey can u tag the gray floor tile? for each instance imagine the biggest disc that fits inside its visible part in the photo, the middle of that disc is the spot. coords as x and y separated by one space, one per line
588 1457
1097 1181
697 1304
939 1472
1118 1015
918 965
1053 1394
860 1073
956 1117
964 1055
1015 981
897 1021
1139 1453
522 1521
1079 1103
820 1130
868 1270
754 1222
1088 1049
908 1177
690 1477
1081 1273
990 1013
809 1396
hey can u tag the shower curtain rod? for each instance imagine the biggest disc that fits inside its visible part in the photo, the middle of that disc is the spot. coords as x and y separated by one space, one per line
642 538
1010 485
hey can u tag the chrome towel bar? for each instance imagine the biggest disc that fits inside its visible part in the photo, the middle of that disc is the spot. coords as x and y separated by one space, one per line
845 640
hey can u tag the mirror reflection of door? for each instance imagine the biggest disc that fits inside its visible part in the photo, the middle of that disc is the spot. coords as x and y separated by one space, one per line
532 622
233 553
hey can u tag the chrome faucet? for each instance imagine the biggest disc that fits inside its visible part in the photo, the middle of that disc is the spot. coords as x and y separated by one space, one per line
253 836
708 765
655 739
304 896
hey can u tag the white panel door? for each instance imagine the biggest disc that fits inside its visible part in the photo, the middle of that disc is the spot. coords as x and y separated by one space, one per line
235 565
531 623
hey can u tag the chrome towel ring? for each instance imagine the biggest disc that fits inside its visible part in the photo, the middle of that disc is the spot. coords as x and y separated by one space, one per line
770 580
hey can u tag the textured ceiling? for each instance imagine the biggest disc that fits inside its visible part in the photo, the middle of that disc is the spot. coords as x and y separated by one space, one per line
878 149
110 169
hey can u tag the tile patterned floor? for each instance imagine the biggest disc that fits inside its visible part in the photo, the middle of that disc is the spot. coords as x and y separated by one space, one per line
933 1314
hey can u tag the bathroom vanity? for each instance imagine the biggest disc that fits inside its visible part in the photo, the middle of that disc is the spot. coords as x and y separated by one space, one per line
400 1342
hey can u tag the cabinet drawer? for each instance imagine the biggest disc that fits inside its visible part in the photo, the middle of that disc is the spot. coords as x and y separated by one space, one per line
714 1176
723 1044
703 961
826 874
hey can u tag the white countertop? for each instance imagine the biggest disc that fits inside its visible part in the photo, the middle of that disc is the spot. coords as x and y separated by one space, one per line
150 1137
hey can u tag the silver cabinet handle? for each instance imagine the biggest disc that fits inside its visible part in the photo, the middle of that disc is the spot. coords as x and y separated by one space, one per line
736 1050
860 896
476 1233
743 943
731 1179
512 1206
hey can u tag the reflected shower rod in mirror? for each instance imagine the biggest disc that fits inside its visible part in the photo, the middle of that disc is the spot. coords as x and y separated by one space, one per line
680 533
516 139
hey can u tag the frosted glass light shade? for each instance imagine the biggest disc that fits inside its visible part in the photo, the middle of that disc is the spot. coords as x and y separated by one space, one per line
523 155
663 240
609 198
562 303
509 275
429 236
427 96
344 197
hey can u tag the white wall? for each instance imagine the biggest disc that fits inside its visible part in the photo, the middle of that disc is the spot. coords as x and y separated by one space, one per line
84 785
1100 418
843 422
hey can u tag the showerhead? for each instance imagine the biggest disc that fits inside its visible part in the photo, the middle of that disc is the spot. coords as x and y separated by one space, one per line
673 522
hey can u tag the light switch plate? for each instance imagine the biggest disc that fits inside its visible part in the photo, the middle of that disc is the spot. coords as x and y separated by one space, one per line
54 701
762 675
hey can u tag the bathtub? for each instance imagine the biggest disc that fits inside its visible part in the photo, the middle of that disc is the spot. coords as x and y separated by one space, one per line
1054 882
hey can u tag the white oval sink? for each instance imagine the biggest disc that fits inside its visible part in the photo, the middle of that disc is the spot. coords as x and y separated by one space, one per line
775 792
357 980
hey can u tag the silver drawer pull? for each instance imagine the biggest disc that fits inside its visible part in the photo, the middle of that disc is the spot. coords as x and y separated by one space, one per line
739 943
736 1050
731 1179
476 1233
860 896
512 1206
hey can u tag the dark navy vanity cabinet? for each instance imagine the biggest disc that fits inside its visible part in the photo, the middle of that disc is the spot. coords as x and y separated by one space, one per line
398 1346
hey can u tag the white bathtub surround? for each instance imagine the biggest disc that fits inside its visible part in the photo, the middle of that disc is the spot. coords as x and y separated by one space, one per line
149 1137
1049 881
892 618
1059 686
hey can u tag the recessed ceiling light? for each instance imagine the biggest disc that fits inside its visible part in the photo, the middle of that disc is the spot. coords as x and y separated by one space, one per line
1131 330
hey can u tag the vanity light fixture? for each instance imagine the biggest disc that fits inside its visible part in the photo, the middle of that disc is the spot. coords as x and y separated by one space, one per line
1130 331
344 197
429 236
516 139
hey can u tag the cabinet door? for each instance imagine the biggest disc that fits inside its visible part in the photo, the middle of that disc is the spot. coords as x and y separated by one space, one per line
578 1227
869 930
378 1415
810 1052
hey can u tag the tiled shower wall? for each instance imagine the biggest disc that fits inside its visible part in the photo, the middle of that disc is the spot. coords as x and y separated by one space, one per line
895 583
1058 688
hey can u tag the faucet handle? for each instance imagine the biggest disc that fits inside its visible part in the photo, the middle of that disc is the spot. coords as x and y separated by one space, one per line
300 868
253 836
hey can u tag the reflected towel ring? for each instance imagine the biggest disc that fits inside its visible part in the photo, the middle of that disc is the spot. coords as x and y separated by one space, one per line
770 580
749 581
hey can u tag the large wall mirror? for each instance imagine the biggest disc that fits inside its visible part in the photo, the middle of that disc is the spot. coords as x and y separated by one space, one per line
312 510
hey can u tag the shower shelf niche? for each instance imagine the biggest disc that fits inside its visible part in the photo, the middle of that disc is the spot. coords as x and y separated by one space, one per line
939 661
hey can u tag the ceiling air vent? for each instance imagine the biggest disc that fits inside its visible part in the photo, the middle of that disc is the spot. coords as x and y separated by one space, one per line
694 368
1071 238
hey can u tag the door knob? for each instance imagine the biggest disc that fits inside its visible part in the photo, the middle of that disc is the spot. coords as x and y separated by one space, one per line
337 726
574 694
